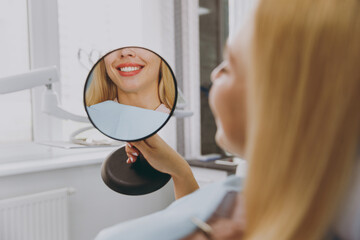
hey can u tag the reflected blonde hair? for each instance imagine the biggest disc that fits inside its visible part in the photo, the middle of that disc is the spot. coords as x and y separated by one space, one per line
304 118
102 87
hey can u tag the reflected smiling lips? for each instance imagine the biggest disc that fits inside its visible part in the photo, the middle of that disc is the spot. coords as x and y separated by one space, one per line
129 69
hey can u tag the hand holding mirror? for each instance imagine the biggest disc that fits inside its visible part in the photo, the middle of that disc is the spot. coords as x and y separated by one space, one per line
129 95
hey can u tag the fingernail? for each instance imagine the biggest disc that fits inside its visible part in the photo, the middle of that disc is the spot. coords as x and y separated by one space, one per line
135 154
129 145
128 160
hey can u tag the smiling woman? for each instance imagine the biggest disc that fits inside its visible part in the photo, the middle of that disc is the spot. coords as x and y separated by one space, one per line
130 93
133 76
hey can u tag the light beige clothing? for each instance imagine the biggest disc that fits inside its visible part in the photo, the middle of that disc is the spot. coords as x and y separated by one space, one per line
163 108
160 108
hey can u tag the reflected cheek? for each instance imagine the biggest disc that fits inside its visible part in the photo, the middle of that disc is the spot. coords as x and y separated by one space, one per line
111 74
107 61
150 73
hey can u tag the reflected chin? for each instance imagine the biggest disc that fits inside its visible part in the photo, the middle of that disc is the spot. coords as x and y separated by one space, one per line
128 87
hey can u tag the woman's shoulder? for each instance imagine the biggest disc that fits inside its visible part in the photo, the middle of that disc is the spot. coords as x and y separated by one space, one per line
175 222
227 222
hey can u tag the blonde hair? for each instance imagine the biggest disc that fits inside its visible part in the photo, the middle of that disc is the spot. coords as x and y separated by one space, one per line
102 87
304 118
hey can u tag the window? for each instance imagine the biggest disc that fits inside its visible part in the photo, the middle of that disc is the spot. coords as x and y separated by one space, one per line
218 19
214 30
15 123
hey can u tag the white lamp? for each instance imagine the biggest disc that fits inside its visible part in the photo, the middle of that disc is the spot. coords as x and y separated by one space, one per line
38 77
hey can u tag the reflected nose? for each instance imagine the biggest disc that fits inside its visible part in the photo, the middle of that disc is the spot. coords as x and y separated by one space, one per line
127 52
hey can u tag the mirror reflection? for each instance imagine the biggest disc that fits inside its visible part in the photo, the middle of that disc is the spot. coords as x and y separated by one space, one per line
130 93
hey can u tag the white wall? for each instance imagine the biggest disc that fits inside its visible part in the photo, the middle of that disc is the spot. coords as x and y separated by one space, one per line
94 206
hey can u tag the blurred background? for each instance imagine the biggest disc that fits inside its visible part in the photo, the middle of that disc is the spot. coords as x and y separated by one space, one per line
36 155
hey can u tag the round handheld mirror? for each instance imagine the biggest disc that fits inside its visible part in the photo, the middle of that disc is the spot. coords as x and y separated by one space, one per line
129 95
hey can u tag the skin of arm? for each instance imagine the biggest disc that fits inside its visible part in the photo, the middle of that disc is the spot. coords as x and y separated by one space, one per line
184 183
165 159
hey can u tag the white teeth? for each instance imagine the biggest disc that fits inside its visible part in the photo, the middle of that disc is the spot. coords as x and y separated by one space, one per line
129 69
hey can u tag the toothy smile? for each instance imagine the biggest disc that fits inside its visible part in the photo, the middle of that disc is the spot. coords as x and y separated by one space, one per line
129 69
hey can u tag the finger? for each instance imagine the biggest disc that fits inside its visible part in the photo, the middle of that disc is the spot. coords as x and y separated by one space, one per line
141 146
128 147
133 151
132 158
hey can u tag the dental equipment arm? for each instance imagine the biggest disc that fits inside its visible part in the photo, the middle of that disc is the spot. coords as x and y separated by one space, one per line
38 77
